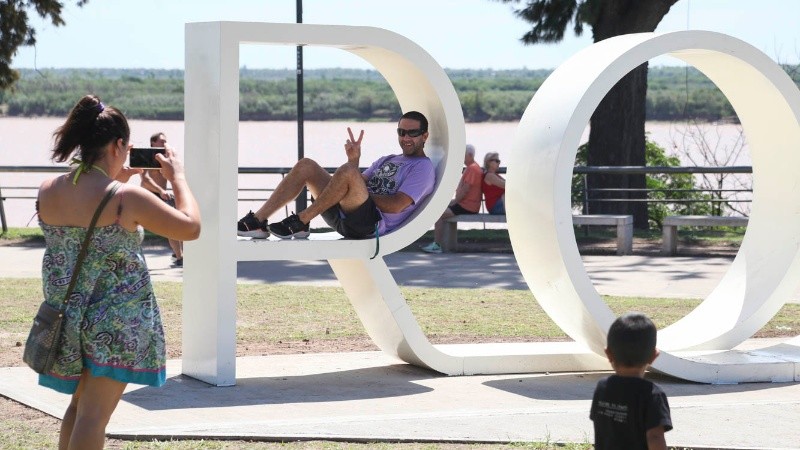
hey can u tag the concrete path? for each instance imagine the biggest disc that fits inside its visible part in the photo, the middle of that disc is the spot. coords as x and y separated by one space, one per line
368 396
629 276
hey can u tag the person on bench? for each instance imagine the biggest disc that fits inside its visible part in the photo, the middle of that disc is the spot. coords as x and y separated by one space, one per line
494 186
466 201
357 205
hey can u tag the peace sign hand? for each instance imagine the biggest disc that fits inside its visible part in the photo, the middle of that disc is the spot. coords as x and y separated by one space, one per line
352 147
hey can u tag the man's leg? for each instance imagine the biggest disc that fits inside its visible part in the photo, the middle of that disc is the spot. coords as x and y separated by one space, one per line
305 173
346 187
438 228
177 249
438 232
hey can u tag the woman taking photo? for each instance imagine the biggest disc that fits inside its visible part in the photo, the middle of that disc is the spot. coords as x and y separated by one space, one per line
494 186
112 333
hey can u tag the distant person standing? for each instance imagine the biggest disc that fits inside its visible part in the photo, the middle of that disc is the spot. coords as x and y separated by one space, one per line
154 181
467 199
494 186
628 411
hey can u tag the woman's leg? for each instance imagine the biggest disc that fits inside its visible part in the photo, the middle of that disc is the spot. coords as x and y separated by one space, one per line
69 420
89 411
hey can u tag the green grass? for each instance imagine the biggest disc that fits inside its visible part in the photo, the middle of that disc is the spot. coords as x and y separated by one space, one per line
28 235
34 236
323 313
273 313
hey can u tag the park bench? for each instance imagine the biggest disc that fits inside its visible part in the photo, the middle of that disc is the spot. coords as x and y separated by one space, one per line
669 243
624 224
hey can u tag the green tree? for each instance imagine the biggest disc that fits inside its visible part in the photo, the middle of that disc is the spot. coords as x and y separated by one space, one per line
16 32
616 136
670 193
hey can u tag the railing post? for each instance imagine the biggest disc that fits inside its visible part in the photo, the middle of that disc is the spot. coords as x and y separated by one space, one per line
3 212
585 196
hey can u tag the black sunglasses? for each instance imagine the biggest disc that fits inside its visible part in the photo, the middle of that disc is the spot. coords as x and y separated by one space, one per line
412 133
495 160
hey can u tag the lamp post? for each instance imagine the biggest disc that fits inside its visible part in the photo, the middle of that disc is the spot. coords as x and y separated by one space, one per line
301 200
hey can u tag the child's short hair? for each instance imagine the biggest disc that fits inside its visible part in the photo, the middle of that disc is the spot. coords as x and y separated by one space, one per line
632 339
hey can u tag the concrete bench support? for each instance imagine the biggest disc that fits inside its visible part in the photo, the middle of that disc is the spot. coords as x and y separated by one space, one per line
624 224
669 243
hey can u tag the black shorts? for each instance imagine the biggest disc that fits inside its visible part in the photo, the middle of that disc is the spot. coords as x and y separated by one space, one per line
170 201
358 224
459 210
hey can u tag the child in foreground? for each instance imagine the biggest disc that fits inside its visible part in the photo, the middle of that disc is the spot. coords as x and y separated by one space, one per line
628 411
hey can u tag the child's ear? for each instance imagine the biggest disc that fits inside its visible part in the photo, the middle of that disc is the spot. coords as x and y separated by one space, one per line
610 356
655 355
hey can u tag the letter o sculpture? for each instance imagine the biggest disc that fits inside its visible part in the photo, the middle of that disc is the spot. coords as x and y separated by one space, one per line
765 271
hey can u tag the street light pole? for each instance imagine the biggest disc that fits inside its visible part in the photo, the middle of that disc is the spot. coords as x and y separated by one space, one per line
301 201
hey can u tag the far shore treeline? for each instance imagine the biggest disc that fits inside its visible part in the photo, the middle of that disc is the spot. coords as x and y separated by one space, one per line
674 93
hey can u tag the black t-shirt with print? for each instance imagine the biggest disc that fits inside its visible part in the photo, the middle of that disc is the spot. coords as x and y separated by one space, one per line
623 409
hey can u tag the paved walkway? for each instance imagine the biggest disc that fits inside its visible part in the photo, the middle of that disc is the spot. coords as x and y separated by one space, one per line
368 396
629 276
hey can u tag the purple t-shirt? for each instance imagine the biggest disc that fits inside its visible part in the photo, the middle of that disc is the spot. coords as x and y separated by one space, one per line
411 175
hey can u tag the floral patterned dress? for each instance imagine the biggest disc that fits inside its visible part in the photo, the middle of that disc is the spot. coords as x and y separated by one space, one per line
112 323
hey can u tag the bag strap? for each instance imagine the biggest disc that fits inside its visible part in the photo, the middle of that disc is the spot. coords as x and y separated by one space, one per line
85 245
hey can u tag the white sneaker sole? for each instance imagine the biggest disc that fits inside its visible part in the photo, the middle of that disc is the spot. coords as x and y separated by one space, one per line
255 234
298 235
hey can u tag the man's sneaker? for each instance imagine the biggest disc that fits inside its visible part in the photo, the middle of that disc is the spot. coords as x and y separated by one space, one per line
177 263
433 247
250 226
290 227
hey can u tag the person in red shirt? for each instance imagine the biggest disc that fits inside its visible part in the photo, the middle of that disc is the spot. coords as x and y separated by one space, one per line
494 186
466 201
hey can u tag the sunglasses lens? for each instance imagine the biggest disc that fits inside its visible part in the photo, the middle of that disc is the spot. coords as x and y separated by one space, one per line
412 133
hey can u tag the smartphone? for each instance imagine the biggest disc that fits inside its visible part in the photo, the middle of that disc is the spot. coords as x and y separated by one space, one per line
145 157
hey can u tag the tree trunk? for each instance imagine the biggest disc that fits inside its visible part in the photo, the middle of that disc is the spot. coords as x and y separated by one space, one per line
616 136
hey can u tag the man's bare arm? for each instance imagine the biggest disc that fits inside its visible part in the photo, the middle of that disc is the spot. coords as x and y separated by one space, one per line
392 203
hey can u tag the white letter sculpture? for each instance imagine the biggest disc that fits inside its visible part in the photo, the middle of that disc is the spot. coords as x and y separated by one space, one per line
760 279
764 273
211 139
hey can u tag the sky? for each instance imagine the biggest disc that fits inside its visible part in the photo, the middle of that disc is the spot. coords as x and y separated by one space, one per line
459 34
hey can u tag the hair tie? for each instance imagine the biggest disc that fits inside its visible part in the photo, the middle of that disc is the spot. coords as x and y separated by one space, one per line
100 107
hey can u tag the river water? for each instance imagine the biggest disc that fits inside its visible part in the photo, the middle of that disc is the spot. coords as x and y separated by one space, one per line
26 142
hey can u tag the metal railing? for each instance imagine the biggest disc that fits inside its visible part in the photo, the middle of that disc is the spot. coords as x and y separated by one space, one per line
587 197
29 191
